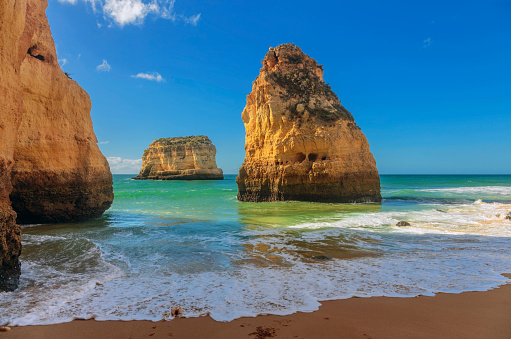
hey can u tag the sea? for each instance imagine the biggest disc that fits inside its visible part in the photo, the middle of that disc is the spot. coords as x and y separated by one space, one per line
192 245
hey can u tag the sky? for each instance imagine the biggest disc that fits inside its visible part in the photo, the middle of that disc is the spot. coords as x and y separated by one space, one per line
428 82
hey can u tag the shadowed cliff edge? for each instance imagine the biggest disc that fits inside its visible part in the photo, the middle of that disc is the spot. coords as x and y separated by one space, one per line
51 169
301 143
180 158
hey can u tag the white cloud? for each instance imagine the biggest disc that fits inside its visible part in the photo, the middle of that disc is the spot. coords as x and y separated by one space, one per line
119 165
192 20
124 12
155 76
167 11
62 62
128 11
104 67
103 142
427 43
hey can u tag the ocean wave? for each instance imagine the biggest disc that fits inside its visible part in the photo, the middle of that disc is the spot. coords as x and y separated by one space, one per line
480 218
450 195
153 251
252 290
491 190
265 270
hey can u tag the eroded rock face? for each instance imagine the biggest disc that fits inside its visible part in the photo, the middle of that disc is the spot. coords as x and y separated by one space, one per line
10 234
51 169
180 158
301 143
10 114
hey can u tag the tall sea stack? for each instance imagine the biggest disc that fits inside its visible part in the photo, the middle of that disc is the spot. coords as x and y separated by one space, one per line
180 158
51 169
301 143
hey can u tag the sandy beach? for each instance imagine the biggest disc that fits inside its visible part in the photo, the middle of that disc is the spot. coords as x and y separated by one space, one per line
466 315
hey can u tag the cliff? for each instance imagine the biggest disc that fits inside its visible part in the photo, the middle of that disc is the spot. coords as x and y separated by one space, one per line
51 169
301 143
180 158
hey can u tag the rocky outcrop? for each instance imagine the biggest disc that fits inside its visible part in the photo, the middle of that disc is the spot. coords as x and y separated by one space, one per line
10 234
180 158
51 169
301 143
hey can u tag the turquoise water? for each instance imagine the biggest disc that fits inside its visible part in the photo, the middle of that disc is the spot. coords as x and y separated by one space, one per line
192 244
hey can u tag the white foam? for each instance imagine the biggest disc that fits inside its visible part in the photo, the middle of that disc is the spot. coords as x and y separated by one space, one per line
479 218
484 190
274 270
252 290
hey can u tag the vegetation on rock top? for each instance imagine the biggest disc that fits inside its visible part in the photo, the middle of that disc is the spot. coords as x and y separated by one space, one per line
189 140
297 78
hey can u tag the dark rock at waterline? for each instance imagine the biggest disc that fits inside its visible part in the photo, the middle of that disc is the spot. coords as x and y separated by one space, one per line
10 276
438 210
403 223
322 257
508 216
10 233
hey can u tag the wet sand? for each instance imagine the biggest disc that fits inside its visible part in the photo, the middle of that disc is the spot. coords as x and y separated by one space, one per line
466 315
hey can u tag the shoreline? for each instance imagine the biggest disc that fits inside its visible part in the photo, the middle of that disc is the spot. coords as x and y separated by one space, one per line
478 314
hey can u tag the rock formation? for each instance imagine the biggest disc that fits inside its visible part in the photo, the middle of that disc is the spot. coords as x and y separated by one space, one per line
51 169
180 158
301 143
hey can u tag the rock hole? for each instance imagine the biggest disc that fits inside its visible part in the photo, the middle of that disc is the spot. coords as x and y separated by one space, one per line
323 158
300 157
313 157
32 53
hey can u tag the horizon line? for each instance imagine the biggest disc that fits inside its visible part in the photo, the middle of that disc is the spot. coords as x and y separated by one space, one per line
135 174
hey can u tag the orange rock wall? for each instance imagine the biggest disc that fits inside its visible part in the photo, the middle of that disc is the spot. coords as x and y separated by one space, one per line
51 167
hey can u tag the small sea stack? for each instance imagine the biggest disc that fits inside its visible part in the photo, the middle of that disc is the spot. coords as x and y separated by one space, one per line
180 158
301 143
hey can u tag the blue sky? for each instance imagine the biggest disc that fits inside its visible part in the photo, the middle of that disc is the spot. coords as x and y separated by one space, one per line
429 82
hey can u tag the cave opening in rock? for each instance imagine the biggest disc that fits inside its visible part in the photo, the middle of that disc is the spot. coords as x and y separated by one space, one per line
31 53
313 156
300 157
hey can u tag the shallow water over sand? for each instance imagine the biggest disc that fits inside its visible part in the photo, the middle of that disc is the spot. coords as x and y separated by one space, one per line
191 244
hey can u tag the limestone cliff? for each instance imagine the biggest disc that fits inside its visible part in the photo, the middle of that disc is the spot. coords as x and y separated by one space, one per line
180 158
301 143
51 169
